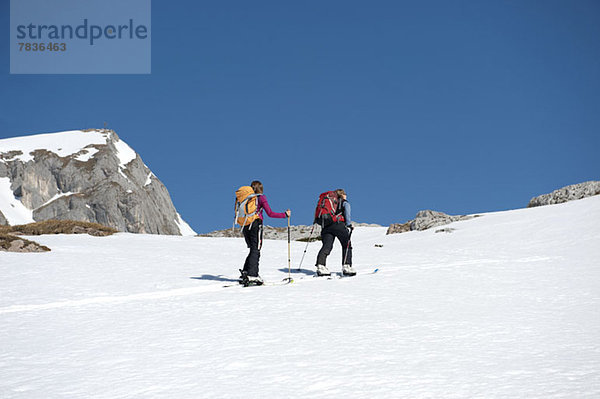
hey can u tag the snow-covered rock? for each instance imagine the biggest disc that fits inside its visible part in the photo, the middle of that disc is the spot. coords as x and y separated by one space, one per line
90 176
568 193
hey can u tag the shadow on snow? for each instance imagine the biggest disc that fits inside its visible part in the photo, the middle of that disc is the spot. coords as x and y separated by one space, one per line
298 271
220 277
211 277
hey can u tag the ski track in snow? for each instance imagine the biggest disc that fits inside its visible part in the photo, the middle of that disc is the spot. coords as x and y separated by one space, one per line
150 295
506 306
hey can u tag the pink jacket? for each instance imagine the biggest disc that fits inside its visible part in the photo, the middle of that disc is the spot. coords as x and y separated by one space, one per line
264 204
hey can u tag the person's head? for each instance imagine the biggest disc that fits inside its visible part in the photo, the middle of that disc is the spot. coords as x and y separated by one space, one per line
341 193
257 187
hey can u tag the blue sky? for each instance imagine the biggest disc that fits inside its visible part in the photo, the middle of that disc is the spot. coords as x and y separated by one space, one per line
457 106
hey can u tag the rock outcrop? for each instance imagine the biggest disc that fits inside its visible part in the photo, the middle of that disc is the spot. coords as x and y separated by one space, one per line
425 220
90 176
568 193
11 240
428 219
396 228
10 243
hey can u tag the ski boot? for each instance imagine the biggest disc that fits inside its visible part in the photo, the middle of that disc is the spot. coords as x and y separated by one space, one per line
348 270
243 277
253 280
322 270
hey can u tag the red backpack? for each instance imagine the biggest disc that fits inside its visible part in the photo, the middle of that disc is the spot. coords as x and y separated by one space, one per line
329 209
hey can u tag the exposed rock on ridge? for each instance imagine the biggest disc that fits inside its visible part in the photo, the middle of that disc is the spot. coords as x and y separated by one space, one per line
428 219
425 220
568 193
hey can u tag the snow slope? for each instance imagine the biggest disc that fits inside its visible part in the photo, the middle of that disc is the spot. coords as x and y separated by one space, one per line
506 306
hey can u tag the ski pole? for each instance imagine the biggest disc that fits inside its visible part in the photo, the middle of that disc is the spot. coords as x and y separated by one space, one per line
307 242
348 247
289 251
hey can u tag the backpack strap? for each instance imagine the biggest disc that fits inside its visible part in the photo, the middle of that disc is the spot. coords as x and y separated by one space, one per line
244 205
333 208
235 214
340 209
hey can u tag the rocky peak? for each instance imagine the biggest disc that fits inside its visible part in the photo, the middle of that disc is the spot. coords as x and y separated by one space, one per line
86 175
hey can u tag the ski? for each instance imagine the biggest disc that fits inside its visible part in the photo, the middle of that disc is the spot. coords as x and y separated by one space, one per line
266 283
340 275
232 285
286 281
360 273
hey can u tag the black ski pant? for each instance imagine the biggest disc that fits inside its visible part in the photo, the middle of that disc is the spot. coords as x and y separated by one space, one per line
253 234
328 235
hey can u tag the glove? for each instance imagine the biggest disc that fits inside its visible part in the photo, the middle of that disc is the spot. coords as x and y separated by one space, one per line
350 228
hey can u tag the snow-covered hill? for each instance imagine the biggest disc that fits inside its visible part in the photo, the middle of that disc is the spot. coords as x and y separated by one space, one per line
90 176
505 306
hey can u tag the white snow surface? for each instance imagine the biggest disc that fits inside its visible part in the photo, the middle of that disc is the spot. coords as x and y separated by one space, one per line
184 228
61 143
12 208
506 306
124 152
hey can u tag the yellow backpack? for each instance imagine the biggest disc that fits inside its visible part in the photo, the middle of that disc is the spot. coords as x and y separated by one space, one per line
246 205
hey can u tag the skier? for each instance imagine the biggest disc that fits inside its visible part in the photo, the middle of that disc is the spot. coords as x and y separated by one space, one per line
253 234
341 228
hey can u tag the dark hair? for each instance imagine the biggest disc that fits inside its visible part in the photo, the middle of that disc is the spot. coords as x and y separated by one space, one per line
340 192
257 187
